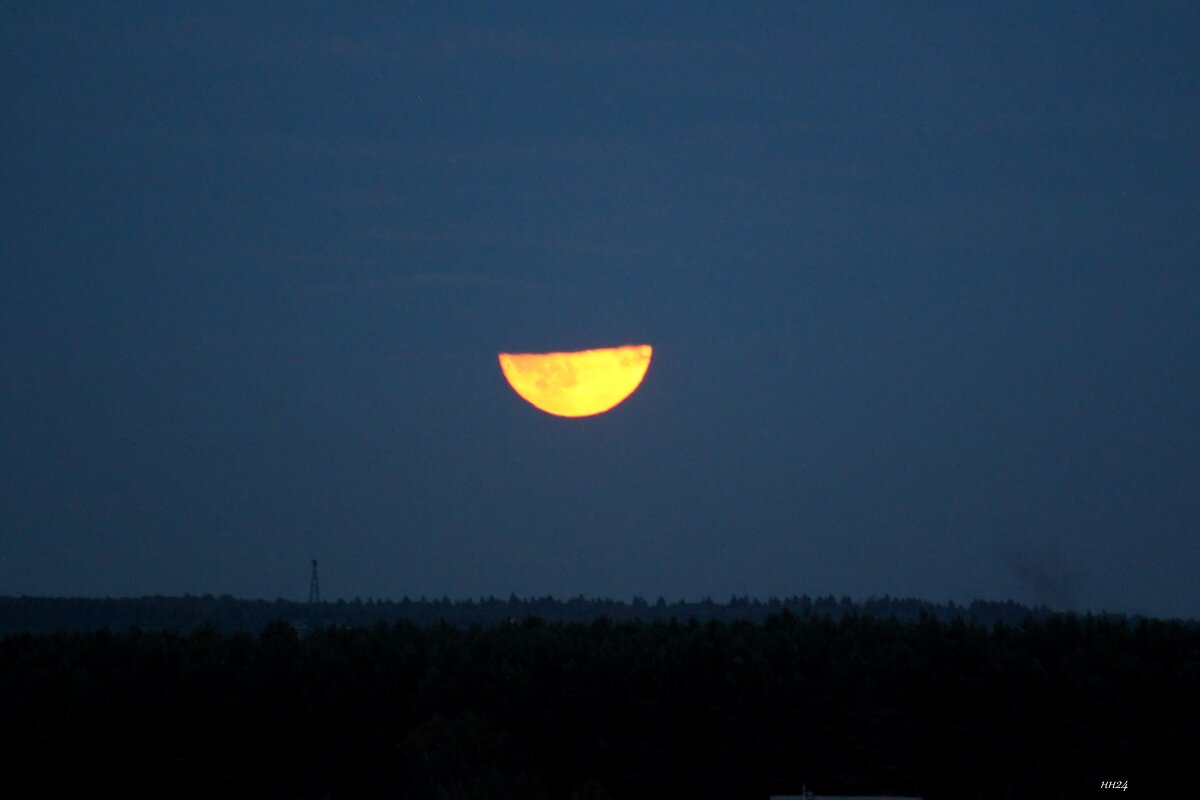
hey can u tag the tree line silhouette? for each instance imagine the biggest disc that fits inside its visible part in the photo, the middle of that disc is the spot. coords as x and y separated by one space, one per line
607 709
229 614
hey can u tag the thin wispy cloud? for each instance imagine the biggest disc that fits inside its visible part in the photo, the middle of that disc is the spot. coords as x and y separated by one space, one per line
445 280
517 43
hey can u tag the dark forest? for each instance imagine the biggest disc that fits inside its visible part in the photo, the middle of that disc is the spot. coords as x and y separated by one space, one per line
529 708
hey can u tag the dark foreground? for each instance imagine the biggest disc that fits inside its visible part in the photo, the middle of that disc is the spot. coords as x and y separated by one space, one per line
601 710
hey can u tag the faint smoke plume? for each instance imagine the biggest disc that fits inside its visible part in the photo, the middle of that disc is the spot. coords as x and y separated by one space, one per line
1046 577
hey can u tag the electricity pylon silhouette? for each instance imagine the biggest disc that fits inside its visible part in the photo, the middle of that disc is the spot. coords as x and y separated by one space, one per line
314 587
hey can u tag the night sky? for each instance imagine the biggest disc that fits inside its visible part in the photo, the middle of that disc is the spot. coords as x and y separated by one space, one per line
922 282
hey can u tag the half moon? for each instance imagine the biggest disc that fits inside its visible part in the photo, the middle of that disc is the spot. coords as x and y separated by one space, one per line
577 384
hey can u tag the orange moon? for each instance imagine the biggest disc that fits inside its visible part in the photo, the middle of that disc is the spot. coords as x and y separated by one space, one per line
577 384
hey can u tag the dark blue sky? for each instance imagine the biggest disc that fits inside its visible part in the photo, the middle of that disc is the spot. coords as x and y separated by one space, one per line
923 283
